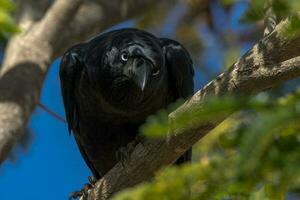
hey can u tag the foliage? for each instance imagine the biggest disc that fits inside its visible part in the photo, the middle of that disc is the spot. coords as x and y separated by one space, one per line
7 24
281 8
255 154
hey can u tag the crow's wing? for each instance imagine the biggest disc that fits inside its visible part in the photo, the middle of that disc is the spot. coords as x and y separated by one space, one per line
181 72
70 71
96 174
180 68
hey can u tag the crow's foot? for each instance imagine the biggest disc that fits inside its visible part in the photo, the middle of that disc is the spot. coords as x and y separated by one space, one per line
83 193
123 153
140 139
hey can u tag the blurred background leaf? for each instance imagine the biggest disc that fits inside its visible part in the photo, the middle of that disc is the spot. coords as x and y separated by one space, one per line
254 154
7 23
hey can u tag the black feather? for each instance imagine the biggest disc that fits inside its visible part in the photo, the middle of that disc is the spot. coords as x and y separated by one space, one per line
69 72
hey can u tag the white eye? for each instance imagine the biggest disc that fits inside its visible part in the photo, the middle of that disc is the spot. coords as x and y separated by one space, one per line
124 56
155 72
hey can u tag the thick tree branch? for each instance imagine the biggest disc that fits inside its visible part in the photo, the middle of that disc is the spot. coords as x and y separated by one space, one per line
26 62
56 18
272 61
30 11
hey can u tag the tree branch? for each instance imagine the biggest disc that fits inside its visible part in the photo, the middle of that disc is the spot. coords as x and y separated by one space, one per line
26 62
270 62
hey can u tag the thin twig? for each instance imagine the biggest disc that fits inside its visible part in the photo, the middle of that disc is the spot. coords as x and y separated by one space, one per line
50 112
270 20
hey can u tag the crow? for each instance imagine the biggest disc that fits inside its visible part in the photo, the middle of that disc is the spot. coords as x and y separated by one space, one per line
113 82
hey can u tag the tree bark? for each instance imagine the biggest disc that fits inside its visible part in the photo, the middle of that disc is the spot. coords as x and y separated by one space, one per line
273 60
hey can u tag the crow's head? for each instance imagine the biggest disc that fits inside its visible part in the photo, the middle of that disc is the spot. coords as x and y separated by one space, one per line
126 66
135 62
124 73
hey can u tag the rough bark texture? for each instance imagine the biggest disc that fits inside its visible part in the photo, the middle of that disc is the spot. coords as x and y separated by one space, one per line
271 61
46 34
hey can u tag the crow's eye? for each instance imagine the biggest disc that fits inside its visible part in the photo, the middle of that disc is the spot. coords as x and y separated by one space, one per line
155 71
124 56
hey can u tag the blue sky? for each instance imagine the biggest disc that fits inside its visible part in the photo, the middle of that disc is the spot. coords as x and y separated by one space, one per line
52 167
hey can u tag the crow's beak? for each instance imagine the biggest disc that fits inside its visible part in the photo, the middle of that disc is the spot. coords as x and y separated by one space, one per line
141 70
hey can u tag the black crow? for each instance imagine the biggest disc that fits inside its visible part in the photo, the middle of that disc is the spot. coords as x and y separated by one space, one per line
113 82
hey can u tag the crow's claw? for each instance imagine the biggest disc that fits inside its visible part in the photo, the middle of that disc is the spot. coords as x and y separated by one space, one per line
123 154
83 193
80 195
75 195
92 180
140 139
